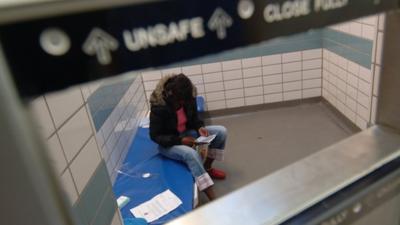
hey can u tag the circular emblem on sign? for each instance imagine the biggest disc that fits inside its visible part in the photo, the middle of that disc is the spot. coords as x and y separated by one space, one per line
245 9
55 41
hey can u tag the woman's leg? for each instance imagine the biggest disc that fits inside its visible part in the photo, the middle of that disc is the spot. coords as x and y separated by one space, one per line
193 160
217 146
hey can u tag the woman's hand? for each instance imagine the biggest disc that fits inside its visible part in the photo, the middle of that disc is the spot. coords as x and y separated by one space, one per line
189 141
203 131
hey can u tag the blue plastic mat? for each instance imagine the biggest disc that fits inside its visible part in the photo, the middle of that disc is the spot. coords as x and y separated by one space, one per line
145 173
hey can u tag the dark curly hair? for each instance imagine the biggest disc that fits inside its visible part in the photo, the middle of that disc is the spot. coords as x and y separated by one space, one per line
179 88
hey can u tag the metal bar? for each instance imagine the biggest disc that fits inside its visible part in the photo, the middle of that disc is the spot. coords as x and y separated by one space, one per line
285 193
49 8
30 192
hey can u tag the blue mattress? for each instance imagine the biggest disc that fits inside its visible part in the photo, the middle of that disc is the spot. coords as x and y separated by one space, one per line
142 158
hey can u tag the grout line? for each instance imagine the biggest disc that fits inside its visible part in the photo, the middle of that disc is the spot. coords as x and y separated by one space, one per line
79 151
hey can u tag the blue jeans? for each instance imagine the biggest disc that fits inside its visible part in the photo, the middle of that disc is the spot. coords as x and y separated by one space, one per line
192 159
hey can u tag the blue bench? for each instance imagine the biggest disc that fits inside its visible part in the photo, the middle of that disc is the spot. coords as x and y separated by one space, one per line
145 173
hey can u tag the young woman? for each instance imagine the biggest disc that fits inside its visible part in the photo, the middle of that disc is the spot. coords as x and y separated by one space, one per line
174 125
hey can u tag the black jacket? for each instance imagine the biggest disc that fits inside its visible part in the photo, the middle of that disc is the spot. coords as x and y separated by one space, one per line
163 119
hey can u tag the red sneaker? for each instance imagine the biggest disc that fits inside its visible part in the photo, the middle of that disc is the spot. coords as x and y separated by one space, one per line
216 173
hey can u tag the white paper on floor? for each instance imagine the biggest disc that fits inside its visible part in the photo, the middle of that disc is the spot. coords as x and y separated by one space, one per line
157 207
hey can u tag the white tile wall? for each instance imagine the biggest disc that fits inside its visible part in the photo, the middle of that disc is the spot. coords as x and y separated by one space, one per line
57 154
348 89
43 120
69 186
256 80
63 104
83 167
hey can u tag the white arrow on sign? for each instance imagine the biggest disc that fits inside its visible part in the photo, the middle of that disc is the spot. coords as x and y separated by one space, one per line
219 22
101 44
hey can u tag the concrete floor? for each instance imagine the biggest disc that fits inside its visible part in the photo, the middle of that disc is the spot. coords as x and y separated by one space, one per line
262 142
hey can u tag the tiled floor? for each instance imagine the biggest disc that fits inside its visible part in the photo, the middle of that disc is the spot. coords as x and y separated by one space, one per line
260 143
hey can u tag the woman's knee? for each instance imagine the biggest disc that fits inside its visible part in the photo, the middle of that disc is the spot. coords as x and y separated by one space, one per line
191 155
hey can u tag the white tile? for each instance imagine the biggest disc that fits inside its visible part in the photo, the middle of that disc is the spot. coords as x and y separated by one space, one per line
42 117
255 100
345 27
312 64
211 87
272 69
278 97
84 165
361 123
368 32
212 77
116 219
215 96
332 89
232 65
63 104
294 76
196 79
333 58
309 74
351 92
200 88
342 62
342 74
191 70
216 105
232 75
233 84
363 100
351 104
253 91
351 115
68 186
353 68
232 103
252 62
314 92
291 95
341 96
370 20
365 87
150 85
377 78
251 82
237 93
100 137
171 71
291 57
291 67
381 25
363 112
341 85
211 67
341 107
365 74
292 86
332 68
56 154
271 59
85 92
75 133
352 80
268 89
355 29
312 54
379 48
272 79
151 75
314 83
374 109
252 72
